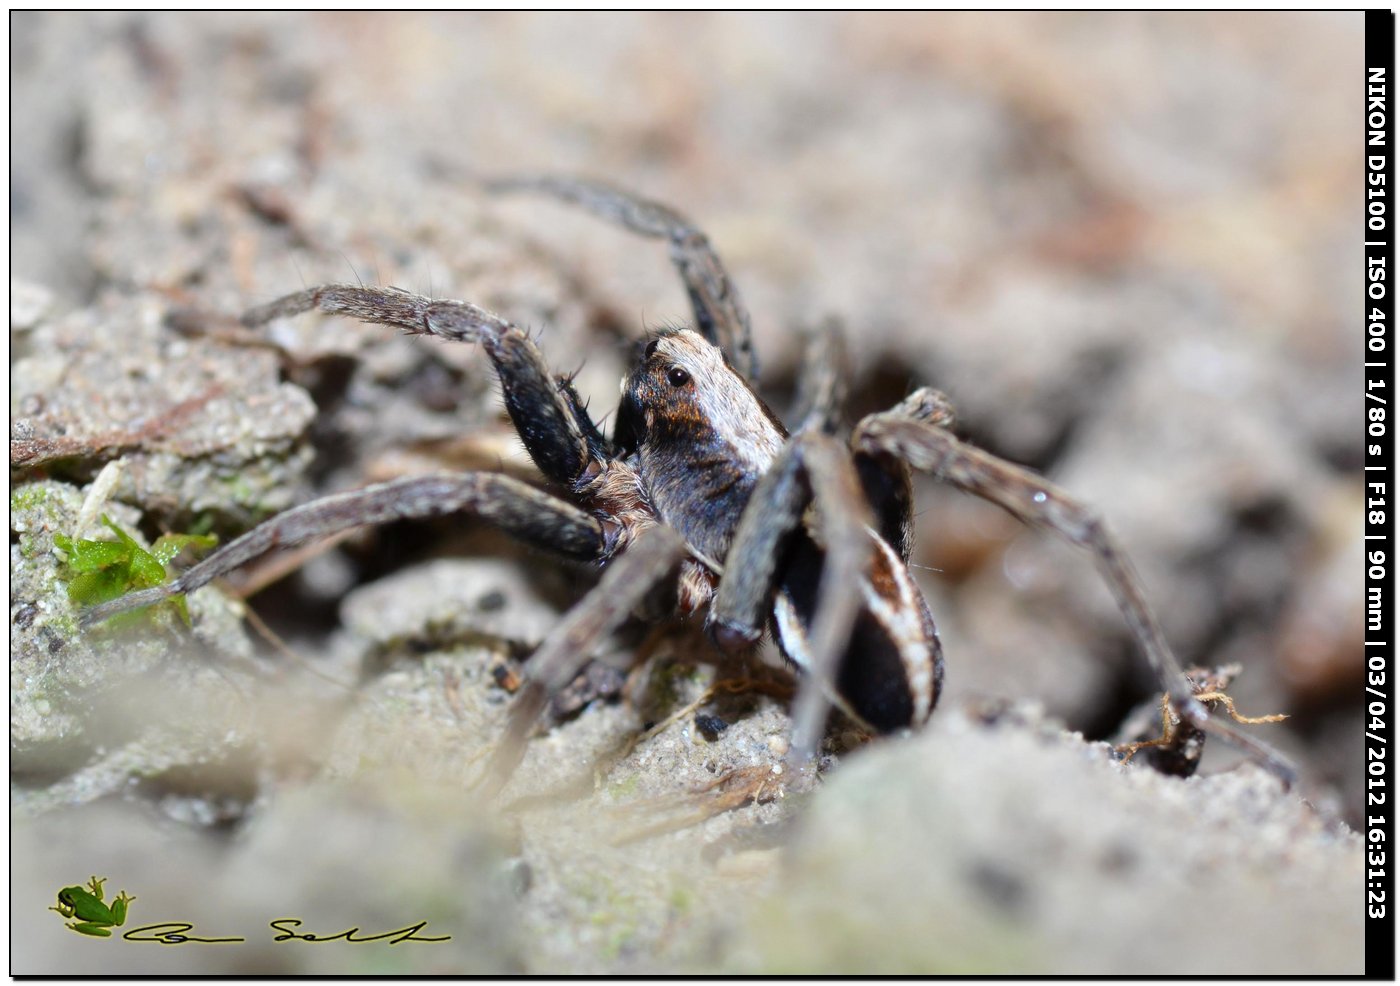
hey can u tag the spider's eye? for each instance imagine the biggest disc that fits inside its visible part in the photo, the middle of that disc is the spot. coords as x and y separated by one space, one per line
677 377
651 348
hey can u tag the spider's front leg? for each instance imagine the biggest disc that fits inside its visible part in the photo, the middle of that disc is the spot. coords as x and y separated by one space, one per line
778 501
528 514
813 468
556 432
916 432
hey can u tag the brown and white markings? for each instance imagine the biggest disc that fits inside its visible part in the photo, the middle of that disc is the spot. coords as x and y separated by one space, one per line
702 489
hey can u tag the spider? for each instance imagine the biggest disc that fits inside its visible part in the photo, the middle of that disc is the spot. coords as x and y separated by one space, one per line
701 492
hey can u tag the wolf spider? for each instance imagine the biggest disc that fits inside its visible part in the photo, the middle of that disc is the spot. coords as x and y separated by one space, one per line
703 492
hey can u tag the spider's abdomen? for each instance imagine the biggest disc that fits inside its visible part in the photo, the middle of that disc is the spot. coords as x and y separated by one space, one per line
892 671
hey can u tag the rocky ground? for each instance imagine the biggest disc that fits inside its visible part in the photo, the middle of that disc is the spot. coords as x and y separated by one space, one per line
1125 246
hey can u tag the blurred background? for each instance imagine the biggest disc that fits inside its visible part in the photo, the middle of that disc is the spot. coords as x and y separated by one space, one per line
1125 245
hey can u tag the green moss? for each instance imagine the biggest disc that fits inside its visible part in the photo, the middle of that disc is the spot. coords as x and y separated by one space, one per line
105 570
28 497
64 624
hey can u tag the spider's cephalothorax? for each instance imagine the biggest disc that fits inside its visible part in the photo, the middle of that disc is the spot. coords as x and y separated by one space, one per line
702 487
699 436
700 440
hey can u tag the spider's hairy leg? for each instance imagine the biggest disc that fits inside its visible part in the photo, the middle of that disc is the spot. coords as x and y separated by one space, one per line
599 447
821 395
520 510
933 407
821 386
739 611
888 486
812 467
720 315
626 581
547 421
914 432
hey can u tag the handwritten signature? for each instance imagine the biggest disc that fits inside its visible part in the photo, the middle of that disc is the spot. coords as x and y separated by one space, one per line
178 933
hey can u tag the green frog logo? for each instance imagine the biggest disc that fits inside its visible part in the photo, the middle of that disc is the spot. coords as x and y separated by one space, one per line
95 917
